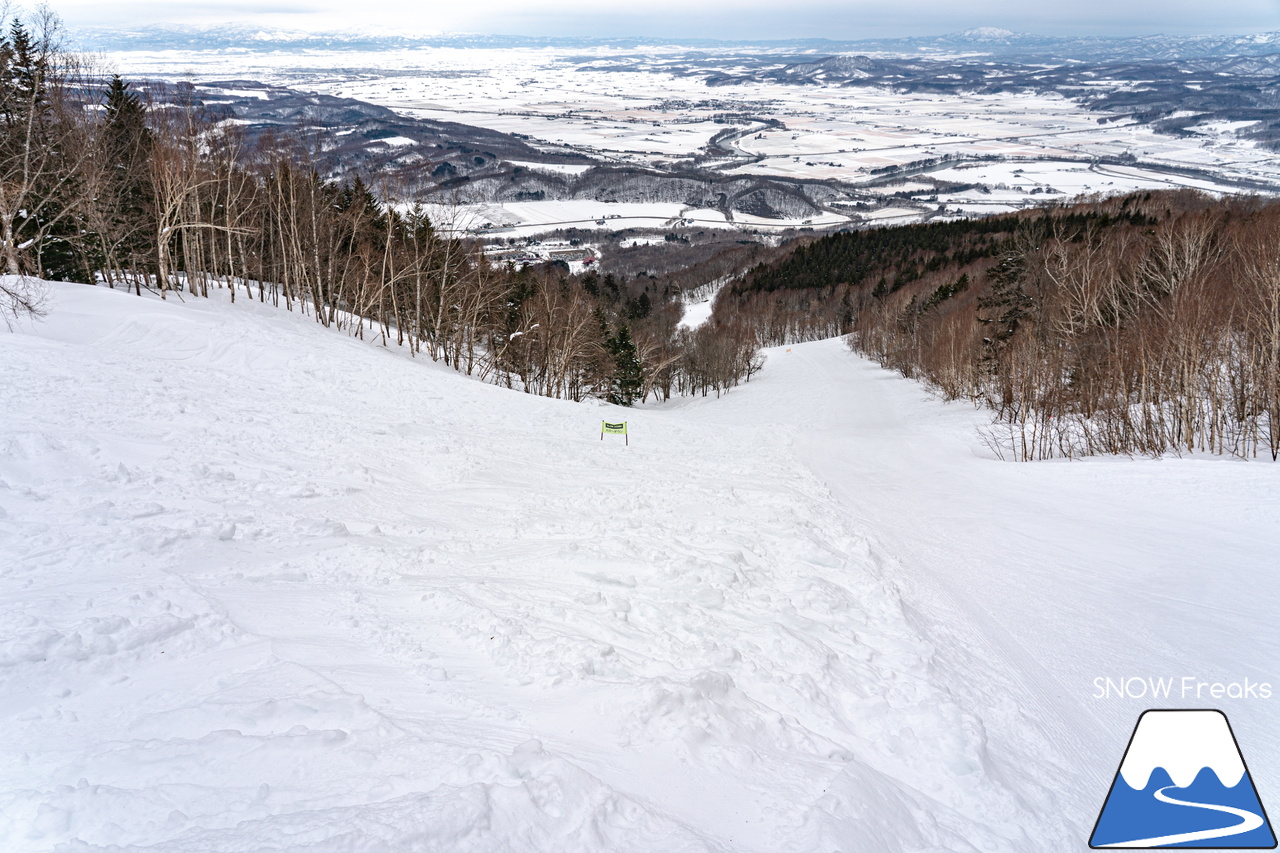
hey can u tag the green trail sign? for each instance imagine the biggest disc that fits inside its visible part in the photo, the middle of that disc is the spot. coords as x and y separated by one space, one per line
613 429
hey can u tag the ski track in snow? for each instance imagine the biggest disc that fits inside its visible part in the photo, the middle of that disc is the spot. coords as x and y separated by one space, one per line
270 588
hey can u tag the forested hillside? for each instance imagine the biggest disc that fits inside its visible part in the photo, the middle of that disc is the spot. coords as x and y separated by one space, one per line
1137 324
105 183
1143 324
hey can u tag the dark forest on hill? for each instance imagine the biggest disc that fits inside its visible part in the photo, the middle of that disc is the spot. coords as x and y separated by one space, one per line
1141 324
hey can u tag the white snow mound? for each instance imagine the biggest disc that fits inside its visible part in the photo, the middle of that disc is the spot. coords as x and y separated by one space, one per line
271 588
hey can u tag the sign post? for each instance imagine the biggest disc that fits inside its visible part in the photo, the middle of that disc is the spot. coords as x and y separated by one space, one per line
615 429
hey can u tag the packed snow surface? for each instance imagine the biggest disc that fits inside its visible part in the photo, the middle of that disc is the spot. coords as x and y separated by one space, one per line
270 588
699 304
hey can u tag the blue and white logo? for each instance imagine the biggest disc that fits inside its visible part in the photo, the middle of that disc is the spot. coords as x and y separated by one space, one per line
1183 783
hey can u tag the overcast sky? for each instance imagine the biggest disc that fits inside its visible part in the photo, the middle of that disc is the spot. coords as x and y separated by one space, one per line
729 19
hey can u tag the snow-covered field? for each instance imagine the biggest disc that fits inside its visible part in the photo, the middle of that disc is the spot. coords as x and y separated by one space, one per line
613 105
269 588
530 218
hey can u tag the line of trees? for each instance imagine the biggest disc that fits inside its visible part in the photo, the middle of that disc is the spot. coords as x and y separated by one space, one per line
104 184
1145 324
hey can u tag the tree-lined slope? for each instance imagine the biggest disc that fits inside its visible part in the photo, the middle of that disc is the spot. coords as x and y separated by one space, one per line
1142 324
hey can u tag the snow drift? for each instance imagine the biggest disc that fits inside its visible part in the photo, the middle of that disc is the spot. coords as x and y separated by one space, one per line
270 588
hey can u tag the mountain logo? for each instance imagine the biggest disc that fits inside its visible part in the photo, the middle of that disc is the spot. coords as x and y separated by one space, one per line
1183 783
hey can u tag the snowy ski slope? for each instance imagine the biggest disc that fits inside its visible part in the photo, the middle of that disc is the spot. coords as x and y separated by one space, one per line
269 588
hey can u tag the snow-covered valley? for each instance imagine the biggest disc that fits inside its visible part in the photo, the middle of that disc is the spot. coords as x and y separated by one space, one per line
697 141
271 588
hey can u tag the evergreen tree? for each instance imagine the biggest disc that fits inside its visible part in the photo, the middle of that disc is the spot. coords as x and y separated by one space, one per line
39 211
125 147
23 75
1006 304
639 307
1004 307
20 97
627 380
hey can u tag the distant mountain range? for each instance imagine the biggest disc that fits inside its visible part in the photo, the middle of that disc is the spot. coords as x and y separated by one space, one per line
988 41
1006 44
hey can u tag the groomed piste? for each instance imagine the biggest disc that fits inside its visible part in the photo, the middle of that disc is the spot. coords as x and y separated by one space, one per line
270 588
